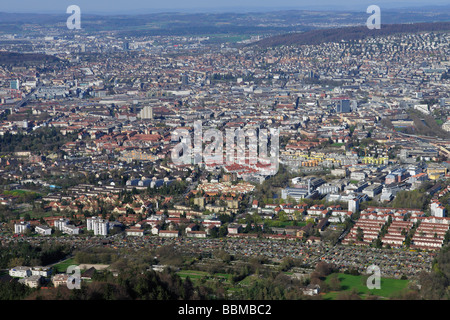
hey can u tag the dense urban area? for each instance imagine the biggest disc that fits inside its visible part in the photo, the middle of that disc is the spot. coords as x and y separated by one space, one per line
89 122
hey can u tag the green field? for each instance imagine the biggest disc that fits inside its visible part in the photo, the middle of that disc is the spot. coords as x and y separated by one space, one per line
283 224
389 286
192 274
196 275
62 266
337 144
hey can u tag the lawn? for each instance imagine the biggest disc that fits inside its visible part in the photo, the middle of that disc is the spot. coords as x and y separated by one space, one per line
196 275
62 266
192 274
337 144
283 224
389 286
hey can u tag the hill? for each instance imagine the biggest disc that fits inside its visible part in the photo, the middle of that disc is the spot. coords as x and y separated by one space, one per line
314 37
15 58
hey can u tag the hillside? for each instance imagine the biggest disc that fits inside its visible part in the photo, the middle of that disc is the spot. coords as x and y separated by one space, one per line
349 33
15 58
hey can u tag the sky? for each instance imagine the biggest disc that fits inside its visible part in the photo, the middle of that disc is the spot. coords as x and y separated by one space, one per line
150 6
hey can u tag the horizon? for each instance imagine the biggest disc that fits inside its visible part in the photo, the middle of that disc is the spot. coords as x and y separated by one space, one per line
175 6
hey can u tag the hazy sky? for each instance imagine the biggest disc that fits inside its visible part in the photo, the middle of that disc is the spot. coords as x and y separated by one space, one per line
146 6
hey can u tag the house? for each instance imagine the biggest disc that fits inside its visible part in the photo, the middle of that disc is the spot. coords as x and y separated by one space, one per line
169 233
88 274
60 279
196 234
311 290
155 229
32 281
234 228
313 239
135 231
191 227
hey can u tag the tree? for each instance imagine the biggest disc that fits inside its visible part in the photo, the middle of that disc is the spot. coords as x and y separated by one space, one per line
334 282
359 234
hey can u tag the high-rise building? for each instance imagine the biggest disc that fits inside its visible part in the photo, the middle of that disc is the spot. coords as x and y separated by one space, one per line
184 80
14 84
99 226
21 227
146 113
343 106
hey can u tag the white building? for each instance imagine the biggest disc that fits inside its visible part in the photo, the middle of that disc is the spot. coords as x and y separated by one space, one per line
169 233
32 281
43 230
40 271
146 113
70 229
99 226
437 209
64 226
135 231
21 227
59 224
20 272
196 234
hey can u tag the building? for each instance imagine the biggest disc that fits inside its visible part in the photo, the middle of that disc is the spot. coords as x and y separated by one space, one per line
135 231
234 228
33 281
146 113
99 226
63 225
196 234
70 229
43 230
41 271
437 209
169 233
21 227
59 224
373 190
343 106
20 272
14 84
295 193
60 279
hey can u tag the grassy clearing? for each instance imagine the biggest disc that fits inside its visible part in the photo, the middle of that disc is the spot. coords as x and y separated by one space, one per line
192 274
389 286
62 266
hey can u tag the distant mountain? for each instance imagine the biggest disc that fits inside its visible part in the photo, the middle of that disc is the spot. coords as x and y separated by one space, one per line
349 33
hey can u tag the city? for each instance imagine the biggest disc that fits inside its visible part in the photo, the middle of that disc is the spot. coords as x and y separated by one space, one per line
357 126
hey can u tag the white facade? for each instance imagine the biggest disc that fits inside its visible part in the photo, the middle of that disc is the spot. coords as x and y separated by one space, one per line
437 209
21 227
40 271
20 272
146 113
70 229
59 224
43 230
99 226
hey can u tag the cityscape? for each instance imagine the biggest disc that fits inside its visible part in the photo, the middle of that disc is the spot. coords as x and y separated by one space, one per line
262 155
